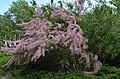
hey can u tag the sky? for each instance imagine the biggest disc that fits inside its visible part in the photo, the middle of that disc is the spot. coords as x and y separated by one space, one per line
5 4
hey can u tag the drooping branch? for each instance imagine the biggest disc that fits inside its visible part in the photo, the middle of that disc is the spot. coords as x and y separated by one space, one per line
40 34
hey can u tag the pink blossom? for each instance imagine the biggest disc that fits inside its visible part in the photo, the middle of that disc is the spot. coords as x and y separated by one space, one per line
41 34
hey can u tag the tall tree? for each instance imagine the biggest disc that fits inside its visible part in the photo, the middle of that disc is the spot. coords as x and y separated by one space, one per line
101 26
7 26
21 11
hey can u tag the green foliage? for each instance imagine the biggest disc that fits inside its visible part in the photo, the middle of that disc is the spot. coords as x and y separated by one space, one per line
21 11
102 29
7 25
26 72
36 74
55 61
3 58
110 72
116 3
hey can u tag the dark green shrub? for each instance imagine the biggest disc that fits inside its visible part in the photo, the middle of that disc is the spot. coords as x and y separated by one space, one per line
102 29
112 76
4 58
110 70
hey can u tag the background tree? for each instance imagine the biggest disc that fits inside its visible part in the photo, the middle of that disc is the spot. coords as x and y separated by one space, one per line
18 12
21 11
7 26
101 26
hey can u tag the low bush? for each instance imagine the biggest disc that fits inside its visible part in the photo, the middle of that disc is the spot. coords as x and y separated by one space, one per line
25 72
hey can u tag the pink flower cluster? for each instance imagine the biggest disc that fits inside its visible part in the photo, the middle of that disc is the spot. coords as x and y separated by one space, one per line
40 34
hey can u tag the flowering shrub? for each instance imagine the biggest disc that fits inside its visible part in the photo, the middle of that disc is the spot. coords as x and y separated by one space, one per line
45 33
